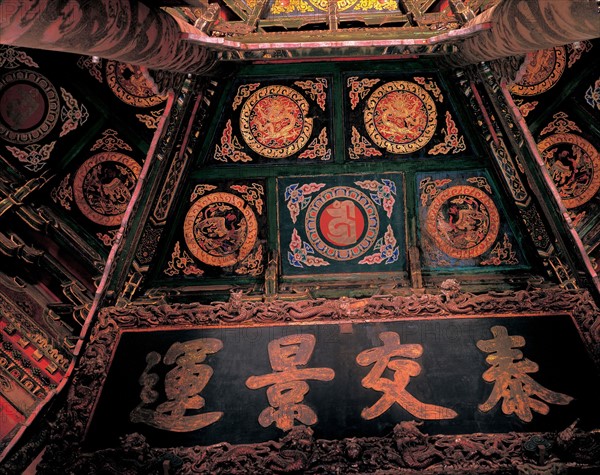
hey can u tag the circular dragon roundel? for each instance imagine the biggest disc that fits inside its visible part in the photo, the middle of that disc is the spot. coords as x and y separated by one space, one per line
342 223
220 229
543 71
29 106
103 186
463 221
130 85
274 122
574 165
400 116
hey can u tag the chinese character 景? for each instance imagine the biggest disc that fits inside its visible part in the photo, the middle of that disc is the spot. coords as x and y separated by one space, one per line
288 382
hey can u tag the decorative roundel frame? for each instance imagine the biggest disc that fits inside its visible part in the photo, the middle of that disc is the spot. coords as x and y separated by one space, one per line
34 94
563 174
274 122
346 197
543 71
137 90
432 223
400 116
192 221
88 184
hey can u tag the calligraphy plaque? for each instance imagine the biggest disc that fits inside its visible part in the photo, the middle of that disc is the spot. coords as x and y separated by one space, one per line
245 384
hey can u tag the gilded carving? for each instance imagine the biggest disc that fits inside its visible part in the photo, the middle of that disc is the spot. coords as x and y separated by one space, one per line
463 221
129 84
544 69
11 58
574 165
287 383
396 357
341 223
34 157
317 148
400 117
361 147
453 143
359 89
182 262
182 386
230 148
512 385
274 121
220 229
103 185
72 113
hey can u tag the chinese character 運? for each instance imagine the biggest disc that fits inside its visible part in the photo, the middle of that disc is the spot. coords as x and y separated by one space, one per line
288 385
512 384
394 391
183 385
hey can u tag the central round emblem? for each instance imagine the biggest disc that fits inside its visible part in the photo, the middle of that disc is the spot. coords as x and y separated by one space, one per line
400 116
273 121
220 229
574 165
103 186
463 221
29 106
342 223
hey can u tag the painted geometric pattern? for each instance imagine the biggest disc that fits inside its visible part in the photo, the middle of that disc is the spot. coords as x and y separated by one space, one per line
394 118
461 223
346 223
223 232
266 122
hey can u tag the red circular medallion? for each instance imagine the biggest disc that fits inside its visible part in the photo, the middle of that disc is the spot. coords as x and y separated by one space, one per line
342 223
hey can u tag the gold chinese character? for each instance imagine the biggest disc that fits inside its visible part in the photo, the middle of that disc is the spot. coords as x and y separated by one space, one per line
512 384
395 391
288 386
183 385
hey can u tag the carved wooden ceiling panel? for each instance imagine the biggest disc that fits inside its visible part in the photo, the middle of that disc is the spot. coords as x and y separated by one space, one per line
559 98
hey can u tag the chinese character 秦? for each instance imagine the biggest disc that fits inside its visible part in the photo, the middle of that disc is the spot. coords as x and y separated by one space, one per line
288 385
183 385
394 391
511 383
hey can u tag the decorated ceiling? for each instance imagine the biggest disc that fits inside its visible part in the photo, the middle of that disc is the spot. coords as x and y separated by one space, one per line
276 190
74 140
